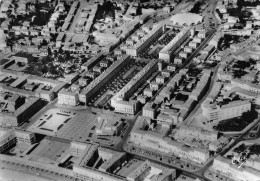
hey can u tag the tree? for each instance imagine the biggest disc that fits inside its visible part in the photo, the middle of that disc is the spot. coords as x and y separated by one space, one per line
240 149
53 70
49 51
44 69
46 60
60 51
44 42
61 59
255 149
220 43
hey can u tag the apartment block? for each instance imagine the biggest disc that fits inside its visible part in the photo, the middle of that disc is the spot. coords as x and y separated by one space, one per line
167 52
226 111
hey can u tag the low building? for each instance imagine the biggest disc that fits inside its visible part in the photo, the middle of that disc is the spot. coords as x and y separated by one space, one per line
178 60
148 170
202 34
22 58
108 125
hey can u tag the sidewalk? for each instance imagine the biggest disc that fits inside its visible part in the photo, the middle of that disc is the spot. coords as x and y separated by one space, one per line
14 175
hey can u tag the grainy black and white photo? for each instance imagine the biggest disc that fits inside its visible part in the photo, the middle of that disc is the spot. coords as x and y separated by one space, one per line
129 90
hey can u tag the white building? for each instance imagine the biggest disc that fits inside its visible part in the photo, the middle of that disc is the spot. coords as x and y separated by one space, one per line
24 138
108 125
137 48
7 139
227 111
155 139
225 167
68 98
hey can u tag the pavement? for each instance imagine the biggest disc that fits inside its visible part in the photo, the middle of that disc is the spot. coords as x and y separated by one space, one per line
14 175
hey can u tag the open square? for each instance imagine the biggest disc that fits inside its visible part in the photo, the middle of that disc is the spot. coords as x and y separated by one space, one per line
51 121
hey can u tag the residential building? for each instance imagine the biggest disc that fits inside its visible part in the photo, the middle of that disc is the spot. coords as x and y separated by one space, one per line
13 119
7 139
119 100
154 139
167 52
68 98
149 170
24 139
136 49
226 111
224 166
103 78
196 132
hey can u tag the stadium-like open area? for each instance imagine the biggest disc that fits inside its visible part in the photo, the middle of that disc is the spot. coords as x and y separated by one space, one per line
51 121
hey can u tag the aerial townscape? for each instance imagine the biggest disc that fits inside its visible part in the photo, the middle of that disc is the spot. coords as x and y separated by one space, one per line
130 90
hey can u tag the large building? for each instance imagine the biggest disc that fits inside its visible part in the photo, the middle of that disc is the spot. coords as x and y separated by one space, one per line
44 88
201 86
92 61
121 102
151 171
68 98
167 52
151 34
226 111
24 139
31 106
97 163
224 166
111 71
7 139
154 138
246 85
108 125
103 160
198 133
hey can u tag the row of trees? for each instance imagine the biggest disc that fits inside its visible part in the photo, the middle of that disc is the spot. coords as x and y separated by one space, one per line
236 124
254 149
